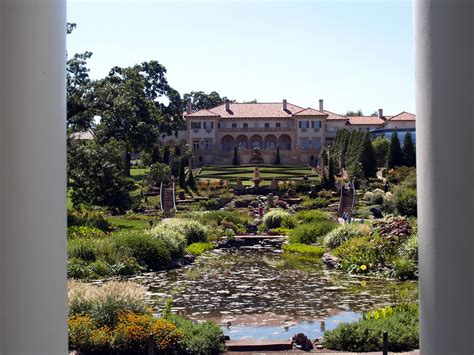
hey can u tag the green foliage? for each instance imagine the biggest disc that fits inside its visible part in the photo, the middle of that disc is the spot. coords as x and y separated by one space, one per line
166 155
317 202
155 156
343 233
174 240
408 151
304 249
367 157
359 254
324 157
93 219
309 216
150 252
182 174
374 197
193 231
96 175
404 269
199 248
381 146
275 218
409 249
203 101
199 338
235 160
331 181
84 232
400 322
84 249
310 233
394 155
406 201
159 173
191 181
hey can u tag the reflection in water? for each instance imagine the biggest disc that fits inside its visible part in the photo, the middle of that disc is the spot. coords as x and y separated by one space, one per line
260 294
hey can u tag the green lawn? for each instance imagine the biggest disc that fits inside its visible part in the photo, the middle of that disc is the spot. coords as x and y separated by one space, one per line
129 222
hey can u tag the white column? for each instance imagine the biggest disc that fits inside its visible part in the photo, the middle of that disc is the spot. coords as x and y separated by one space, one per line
445 155
33 177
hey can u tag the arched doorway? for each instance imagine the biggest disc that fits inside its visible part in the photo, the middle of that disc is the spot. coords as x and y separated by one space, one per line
228 143
270 142
284 142
256 142
242 142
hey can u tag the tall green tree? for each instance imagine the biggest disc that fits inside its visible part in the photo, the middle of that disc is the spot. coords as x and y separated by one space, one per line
96 175
191 181
331 179
177 150
166 155
182 174
324 157
129 103
367 157
354 113
394 155
78 88
200 100
235 160
381 146
408 151
278 158
155 156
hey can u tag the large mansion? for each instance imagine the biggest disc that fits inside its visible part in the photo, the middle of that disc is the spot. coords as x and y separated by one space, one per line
300 133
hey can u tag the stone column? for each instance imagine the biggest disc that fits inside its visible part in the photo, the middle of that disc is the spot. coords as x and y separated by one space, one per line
33 177
444 143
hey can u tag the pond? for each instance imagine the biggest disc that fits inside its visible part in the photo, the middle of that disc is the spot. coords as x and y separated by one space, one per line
263 294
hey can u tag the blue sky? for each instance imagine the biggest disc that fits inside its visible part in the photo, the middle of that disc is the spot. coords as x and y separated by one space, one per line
353 54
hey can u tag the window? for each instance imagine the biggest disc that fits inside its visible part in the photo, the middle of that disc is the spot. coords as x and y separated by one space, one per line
208 144
278 125
245 125
195 144
234 125
267 125
316 143
195 125
304 143
303 124
316 124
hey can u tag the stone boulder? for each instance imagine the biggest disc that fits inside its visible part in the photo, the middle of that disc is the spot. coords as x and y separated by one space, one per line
330 260
302 342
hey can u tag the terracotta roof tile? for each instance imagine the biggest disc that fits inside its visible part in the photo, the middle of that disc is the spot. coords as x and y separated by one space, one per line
202 113
403 116
334 116
365 120
310 112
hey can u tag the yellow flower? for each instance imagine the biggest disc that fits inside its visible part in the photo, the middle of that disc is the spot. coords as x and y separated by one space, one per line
363 267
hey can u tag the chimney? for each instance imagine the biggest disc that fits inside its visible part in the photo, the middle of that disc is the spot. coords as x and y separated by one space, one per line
285 105
189 107
380 112
321 105
227 105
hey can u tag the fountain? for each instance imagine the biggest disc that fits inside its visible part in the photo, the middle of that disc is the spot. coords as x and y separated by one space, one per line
256 157
256 178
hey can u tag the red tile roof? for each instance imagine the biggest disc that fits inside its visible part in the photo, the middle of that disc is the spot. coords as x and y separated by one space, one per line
403 116
250 110
310 112
365 120
334 116
202 113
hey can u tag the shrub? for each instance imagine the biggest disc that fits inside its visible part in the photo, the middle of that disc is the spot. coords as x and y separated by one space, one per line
199 248
275 218
94 219
311 216
359 254
84 335
309 233
166 336
104 303
400 322
84 249
374 197
149 251
304 249
75 232
409 249
174 240
394 230
131 333
193 231
404 269
405 201
317 202
199 338
343 233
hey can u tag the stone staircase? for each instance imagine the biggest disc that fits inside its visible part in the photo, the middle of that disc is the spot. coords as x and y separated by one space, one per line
168 200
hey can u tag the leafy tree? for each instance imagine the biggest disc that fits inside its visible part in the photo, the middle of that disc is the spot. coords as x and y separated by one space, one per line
367 157
78 87
177 150
96 175
354 113
394 155
278 158
324 157
331 179
155 156
201 100
191 181
182 174
408 151
166 155
159 173
235 161
381 146
127 101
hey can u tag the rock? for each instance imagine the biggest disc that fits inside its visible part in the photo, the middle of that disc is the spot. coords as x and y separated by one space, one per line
302 342
330 260
376 212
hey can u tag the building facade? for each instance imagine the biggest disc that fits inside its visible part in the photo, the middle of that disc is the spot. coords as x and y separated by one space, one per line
299 133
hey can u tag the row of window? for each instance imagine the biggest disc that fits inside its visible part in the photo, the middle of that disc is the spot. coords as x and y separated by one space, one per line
205 125
307 124
307 143
206 144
